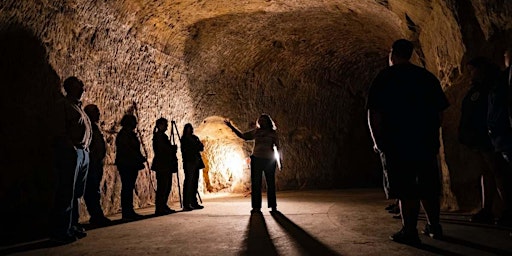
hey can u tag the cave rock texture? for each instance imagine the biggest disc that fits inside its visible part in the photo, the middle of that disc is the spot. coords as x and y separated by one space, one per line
306 63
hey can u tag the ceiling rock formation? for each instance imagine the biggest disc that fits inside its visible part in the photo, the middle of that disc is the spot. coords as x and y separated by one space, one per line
306 63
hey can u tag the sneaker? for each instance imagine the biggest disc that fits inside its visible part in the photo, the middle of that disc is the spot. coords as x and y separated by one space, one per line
100 221
433 231
63 239
132 216
78 231
391 206
197 206
187 208
394 210
164 211
79 234
482 216
403 237
274 209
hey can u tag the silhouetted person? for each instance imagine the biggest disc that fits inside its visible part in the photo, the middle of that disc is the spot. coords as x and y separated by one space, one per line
71 162
263 160
191 147
500 130
129 161
473 132
97 152
404 106
164 164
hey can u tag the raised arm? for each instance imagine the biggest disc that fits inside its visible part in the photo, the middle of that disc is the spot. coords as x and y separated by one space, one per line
235 130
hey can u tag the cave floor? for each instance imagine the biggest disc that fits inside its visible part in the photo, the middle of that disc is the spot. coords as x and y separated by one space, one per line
327 222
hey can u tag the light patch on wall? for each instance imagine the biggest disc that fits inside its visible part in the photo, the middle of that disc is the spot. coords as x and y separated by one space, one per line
225 156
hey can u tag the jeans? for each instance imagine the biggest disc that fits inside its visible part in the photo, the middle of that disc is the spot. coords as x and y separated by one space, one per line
71 168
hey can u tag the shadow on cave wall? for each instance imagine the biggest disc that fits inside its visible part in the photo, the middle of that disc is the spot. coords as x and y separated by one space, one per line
29 88
310 71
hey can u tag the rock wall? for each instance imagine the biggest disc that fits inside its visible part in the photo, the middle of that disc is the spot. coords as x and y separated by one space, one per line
450 33
306 63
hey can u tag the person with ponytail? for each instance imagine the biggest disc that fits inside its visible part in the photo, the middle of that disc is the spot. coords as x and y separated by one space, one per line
191 148
129 161
164 164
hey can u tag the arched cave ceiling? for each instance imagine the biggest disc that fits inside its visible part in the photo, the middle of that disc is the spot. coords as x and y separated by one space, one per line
306 63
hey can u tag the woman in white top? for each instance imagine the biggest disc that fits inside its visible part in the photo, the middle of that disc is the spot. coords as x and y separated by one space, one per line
263 159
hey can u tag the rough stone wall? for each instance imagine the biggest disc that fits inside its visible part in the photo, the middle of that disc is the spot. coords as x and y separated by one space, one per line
450 33
306 63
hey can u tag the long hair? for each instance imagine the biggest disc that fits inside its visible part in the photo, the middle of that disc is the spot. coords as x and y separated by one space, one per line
266 123
159 122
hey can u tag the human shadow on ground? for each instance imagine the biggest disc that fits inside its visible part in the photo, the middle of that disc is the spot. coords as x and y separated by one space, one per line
477 246
45 242
308 243
257 239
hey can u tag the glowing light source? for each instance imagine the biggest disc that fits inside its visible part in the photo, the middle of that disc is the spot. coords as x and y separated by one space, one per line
278 159
234 161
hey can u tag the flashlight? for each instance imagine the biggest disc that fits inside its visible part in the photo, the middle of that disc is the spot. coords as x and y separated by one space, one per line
276 155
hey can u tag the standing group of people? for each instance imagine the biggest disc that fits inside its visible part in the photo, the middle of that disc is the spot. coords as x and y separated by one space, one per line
485 127
405 104
79 150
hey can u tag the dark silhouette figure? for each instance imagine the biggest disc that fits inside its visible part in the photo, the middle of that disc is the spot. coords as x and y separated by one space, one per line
263 159
71 162
97 152
191 147
308 244
473 132
258 240
500 129
164 164
129 161
404 106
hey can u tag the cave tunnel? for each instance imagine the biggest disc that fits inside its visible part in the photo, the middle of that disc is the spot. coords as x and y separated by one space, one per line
306 63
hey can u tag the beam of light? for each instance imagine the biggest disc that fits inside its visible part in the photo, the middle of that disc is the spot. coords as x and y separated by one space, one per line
276 155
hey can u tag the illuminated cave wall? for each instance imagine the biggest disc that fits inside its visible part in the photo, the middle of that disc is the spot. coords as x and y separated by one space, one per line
306 63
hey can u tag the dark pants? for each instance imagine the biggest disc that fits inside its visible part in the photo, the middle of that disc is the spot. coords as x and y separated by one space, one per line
258 167
71 169
502 176
164 185
128 179
413 181
191 183
92 194
406 178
